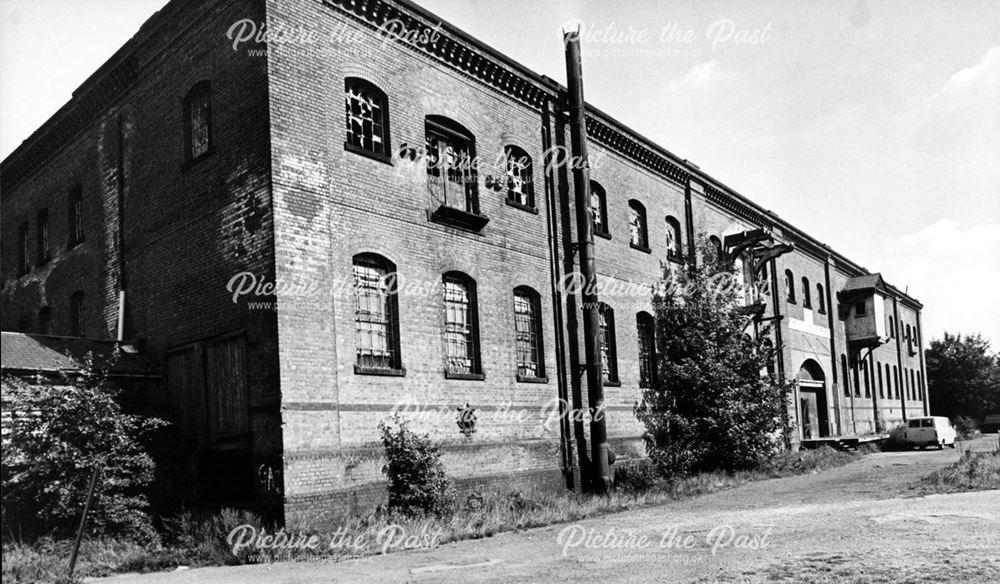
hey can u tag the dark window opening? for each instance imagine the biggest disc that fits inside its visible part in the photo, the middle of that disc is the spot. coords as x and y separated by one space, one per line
198 122
528 333
75 215
674 243
367 109
790 286
42 234
860 309
23 250
376 313
77 315
45 321
806 293
647 349
845 376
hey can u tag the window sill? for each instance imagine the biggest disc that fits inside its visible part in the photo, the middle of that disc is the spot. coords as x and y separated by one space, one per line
458 218
359 370
466 376
521 206
384 159
191 162
603 234
612 384
73 244
641 248
675 259
526 379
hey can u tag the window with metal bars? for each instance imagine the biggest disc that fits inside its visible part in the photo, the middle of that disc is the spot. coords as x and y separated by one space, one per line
376 315
647 349
674 244
367 109
520 177
806 293
790 286
609 352
198 121
461 335
528 333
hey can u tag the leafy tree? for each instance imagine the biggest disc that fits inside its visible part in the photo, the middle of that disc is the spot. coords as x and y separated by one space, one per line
714 404
416 476
59 430
963 377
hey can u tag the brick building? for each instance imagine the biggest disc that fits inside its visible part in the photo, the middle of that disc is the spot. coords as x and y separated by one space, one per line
204 195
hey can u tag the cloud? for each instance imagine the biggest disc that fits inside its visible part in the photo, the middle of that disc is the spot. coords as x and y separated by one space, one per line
699 76
952 270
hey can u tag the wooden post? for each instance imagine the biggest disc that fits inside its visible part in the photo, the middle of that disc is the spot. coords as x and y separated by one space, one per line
83 519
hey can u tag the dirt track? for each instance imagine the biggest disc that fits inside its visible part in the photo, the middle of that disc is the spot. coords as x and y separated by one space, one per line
864 522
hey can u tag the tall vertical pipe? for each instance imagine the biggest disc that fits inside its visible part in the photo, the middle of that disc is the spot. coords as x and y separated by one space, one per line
600 465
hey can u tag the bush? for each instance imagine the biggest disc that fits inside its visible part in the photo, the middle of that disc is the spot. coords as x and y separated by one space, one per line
710 407
417 480
637 476
61 431
966 427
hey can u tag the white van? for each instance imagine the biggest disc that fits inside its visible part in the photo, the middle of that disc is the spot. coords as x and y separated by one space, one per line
929 430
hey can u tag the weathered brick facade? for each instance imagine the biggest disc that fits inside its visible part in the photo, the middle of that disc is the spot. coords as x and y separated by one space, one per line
281 197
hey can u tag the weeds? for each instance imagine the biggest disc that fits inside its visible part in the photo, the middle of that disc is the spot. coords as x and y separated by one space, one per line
976 471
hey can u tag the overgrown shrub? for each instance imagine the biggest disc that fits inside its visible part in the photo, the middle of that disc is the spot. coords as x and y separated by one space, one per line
417 480
59 432
716 403
966 427
637 476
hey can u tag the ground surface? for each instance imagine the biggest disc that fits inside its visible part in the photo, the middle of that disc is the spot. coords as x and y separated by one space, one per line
868 521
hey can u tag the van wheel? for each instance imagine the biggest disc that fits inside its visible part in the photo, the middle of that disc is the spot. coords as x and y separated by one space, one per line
941 445
952 445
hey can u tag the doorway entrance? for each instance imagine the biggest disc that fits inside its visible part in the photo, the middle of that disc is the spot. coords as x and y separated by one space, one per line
813 411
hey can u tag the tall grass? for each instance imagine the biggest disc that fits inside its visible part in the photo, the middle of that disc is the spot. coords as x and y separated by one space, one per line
976 471
192 541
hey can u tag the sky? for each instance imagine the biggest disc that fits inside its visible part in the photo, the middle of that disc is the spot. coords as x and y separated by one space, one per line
872 125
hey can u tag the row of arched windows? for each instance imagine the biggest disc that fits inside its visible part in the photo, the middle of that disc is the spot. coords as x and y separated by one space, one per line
890 386
378 342
806 292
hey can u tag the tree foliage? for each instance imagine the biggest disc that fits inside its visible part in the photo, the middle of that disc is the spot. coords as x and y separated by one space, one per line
417 480
963 377
714 404
57 432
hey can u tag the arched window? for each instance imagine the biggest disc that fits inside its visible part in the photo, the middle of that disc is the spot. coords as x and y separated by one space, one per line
609 352
895 379
77 315
674 242
892 328
599 209
23 250
790 286
461 327
376 315
367 118
715 248
520 177
45 321
821 297
806 293
42 236
920 384
864 376
451 168
639 236
75 215
888 382
528 333
881 390
198 121
845 376
909 340
647 349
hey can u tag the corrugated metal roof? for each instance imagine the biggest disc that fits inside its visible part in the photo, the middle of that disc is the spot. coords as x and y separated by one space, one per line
50 354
